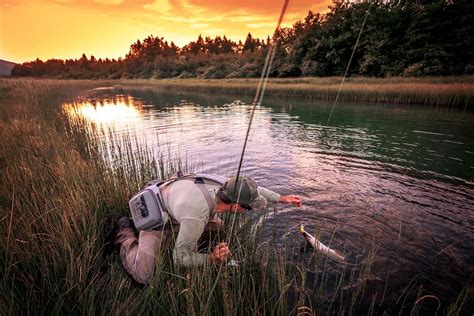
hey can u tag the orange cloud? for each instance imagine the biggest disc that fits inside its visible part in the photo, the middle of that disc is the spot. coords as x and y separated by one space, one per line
106 28
258 7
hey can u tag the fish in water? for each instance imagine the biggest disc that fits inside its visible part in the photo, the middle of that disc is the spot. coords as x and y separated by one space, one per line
317 245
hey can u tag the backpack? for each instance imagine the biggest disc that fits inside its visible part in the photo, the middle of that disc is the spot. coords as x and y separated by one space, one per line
148 209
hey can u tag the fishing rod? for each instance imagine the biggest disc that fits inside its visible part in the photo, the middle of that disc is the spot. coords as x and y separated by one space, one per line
262 85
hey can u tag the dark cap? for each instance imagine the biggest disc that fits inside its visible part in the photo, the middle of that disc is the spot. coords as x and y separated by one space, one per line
248 190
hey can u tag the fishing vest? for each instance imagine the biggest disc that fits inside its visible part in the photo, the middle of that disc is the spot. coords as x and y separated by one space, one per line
148 208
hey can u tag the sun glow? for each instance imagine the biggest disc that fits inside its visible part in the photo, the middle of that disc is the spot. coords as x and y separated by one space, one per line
105 113
106 28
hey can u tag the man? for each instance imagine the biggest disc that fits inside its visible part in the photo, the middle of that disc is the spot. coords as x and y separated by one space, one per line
191 213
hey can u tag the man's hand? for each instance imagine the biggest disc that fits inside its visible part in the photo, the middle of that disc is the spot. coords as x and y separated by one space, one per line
220 253
294 199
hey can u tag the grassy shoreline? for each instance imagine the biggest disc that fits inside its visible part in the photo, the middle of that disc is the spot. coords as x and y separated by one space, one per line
58 200
435 91
429 91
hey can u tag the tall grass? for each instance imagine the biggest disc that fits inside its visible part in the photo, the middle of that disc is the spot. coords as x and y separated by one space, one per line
59 198
433 91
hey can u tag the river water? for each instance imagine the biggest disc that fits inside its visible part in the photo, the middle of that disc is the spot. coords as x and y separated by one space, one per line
391 178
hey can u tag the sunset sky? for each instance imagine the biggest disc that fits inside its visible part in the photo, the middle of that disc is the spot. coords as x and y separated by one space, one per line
106 28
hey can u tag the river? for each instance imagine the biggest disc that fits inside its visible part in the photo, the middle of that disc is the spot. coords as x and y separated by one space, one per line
395 178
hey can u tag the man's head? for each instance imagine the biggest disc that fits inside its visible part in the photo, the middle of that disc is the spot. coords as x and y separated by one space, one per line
243 192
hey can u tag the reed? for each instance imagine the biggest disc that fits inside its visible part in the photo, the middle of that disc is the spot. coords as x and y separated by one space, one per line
60 196
434 91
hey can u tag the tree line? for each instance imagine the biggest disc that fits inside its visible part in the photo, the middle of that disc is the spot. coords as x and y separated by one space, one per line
400 38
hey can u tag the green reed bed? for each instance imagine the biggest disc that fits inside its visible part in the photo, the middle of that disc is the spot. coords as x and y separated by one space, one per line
436 91
59 198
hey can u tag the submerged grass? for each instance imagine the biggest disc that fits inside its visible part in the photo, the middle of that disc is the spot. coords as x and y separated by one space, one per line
59 198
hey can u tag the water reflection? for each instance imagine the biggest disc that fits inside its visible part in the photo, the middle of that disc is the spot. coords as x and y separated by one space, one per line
105 112
181 128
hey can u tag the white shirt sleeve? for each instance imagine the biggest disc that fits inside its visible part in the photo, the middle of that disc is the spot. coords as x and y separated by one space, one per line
269 195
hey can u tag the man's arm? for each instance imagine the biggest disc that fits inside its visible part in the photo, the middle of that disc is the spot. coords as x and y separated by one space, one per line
275 197
185 249
269 195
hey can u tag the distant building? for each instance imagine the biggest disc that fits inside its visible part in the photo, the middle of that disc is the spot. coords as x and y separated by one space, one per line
6 67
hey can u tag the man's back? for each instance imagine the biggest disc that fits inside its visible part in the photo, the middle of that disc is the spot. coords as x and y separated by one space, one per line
188 207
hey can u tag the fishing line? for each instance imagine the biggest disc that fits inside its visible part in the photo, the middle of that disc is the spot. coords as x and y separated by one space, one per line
349 64
345 75
262 85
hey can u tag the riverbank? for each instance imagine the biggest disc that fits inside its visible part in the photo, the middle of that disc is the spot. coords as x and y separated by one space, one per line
429 91
432 91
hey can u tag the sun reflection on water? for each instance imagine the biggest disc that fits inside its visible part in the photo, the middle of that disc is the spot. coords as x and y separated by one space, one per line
105 112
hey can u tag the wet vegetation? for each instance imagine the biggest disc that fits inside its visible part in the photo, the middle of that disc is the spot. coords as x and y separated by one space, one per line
59 199
400 38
